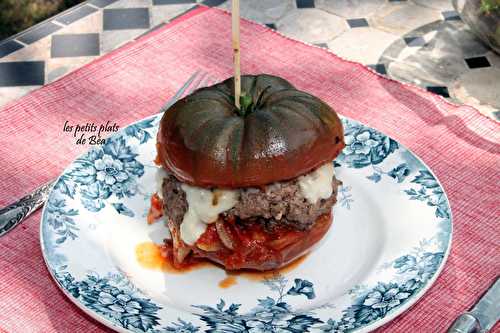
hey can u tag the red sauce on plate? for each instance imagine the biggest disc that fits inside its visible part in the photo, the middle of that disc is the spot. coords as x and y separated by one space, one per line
251 246
228 282
156 208
254 247
158 257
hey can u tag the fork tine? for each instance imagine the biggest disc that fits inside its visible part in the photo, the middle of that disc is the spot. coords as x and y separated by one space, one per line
180 92
204 82
199 83
198 80
211 80
187 87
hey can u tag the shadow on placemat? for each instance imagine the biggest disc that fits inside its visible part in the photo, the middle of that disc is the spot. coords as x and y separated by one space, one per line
428 111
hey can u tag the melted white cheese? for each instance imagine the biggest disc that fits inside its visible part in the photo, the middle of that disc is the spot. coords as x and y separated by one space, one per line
317 185
204 208
159 176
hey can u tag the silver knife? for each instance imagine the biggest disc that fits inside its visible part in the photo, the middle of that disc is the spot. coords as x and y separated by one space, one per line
13 214
483 316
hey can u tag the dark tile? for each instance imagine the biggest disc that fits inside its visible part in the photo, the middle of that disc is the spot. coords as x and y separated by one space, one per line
271 25
9 47
305 3
102 3
443 91
213 3
414 41
379 68
39 32
357 23
172 2
22 73
76 14
477 62
450 15
74 45
323 45
125 18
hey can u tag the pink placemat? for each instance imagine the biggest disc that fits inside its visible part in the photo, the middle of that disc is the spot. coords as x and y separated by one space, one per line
460 145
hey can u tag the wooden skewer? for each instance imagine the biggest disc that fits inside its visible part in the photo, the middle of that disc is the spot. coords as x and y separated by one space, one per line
235 15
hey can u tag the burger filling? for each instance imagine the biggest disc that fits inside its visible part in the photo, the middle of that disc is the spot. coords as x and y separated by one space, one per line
215 220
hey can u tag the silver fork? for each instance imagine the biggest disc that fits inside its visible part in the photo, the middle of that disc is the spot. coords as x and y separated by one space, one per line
13 214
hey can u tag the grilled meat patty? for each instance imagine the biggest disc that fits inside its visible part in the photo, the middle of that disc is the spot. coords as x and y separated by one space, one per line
277 204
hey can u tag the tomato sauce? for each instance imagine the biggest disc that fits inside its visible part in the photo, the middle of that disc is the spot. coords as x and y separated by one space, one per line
155 209
255 253
159 257
257 248
228 282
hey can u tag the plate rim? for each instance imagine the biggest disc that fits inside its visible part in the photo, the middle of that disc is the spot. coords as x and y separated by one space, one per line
418 296
100 319
391 315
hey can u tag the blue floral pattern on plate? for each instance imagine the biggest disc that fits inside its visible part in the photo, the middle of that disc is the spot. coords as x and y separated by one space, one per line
364 146
108 171
108 178
111 298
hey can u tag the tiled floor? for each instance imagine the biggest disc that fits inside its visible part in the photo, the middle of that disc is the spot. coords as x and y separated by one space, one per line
75 45
22 73
419 41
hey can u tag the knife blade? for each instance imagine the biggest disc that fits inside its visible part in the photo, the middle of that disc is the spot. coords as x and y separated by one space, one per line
484 314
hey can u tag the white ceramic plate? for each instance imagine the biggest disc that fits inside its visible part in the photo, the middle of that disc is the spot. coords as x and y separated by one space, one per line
389 240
